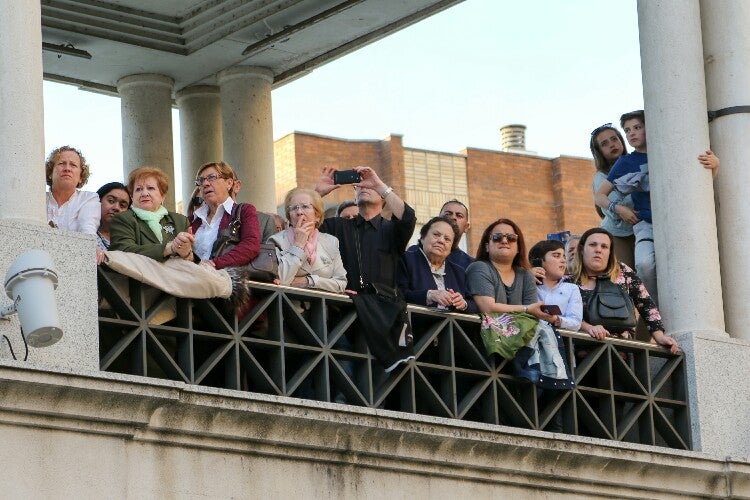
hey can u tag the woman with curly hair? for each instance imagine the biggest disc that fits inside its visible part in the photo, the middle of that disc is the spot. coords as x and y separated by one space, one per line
68 207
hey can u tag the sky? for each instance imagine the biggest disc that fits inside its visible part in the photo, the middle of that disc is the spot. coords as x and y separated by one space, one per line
562 68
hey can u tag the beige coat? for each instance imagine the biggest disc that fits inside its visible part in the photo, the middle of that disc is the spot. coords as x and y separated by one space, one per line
327 272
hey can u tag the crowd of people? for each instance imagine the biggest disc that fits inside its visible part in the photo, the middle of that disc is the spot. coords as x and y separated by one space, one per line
205 253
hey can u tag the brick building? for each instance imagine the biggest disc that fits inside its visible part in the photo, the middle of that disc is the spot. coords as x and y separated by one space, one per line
541 194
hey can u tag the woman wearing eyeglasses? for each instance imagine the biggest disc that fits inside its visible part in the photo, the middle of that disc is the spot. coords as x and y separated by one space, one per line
215 181
607 145
307 257
499 280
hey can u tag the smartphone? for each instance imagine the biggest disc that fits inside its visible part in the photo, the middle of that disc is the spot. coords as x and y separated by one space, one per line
346 177
551 310
536 262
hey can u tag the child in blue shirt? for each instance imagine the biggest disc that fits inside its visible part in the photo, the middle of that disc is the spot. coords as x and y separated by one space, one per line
629 174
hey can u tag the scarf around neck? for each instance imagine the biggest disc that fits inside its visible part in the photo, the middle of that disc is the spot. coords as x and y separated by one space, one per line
152 219
311 247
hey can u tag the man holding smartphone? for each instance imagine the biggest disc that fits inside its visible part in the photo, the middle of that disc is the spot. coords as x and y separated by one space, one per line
369 239
560 299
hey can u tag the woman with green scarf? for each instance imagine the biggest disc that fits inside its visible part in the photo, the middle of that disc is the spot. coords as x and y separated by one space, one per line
148 228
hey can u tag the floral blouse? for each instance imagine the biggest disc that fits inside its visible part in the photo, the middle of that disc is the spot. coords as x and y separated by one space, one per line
632 284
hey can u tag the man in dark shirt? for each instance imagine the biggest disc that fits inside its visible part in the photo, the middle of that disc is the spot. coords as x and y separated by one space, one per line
381 241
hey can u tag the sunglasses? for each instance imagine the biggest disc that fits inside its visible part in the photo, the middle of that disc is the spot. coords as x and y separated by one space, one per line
499 237
606 126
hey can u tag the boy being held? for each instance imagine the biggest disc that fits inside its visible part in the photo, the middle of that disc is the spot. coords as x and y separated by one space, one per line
550 256
629 174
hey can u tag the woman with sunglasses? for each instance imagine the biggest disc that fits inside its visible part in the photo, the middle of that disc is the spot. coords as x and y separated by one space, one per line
607 145
307 257
215 181
499 280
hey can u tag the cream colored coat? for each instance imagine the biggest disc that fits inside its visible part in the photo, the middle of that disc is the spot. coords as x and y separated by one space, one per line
327 272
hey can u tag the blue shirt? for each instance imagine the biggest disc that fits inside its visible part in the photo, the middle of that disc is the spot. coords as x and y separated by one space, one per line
628 164
568 299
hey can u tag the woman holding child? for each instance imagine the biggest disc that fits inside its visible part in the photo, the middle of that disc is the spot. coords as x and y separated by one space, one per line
607 146
595 258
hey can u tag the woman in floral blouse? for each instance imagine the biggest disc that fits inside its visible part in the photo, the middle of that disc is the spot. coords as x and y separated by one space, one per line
595 257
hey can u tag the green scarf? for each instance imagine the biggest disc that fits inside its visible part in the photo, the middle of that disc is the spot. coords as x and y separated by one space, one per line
151 219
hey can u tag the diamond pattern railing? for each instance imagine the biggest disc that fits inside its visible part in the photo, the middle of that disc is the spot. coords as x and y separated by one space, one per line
304 343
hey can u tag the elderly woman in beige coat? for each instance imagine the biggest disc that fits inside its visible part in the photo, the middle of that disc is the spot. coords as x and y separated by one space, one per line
307 257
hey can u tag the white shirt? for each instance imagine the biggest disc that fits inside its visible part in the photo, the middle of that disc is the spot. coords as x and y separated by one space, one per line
206 235
567 297
81 213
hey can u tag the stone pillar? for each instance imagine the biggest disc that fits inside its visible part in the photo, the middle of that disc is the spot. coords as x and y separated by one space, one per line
23 216
682 199
21 113
248 132
146 111
200 132
726 49
687 253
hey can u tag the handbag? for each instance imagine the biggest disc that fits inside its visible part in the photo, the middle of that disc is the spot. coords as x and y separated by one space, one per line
384 320
264 267
506 333
610 306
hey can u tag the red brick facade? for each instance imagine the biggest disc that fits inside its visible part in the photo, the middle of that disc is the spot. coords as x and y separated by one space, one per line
542 195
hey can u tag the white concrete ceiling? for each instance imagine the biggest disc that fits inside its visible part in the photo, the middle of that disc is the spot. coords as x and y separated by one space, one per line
192 40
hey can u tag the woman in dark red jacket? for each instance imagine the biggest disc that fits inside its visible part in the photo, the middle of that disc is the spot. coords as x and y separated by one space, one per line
215 181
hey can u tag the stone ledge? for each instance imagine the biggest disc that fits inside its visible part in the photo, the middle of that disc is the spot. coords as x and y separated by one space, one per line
138 412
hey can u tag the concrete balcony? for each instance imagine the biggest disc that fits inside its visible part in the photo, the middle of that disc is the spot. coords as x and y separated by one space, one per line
202 405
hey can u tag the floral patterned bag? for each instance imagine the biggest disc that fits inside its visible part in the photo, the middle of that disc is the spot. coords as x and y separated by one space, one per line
506 333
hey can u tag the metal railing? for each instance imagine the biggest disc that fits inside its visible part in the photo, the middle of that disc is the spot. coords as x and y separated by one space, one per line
304 343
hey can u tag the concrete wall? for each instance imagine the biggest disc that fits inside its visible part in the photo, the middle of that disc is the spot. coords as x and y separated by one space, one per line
124 437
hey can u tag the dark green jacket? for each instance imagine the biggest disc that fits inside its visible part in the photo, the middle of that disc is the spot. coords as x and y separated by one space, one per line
130 234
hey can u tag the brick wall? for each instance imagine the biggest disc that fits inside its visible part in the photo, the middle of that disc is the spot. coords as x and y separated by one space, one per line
541 195
313 152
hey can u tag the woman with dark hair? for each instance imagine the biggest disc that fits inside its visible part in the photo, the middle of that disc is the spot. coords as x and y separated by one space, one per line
114 199
499 280
425 275
595 258
607 145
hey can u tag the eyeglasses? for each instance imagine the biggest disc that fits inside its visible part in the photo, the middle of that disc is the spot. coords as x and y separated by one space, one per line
305 207
210 178
499 237
606 126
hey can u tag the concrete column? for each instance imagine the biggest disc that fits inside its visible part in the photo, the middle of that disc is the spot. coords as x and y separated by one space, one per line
248 132
21 113
726 49
146 111
687 254
200 132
